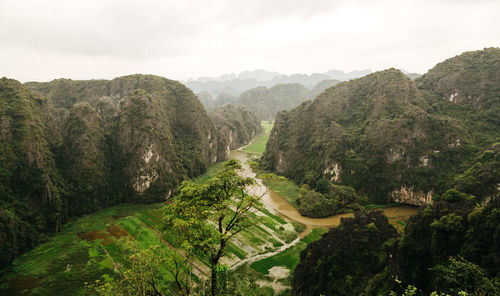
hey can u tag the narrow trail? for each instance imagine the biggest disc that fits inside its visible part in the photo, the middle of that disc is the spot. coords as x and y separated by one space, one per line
252 259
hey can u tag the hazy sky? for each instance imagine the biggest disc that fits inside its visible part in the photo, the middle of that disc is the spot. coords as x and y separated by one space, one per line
47 39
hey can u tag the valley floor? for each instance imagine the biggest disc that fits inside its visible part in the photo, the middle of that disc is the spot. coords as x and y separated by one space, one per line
264 255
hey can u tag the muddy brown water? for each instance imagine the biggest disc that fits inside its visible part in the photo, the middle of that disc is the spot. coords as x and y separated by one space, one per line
279 205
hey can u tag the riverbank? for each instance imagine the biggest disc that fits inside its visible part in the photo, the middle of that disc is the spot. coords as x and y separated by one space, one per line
277 204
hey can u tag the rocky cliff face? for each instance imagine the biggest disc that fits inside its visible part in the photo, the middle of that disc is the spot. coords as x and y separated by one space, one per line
236 126
155 130
373 134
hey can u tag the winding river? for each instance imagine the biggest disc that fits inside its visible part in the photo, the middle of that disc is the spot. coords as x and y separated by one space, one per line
279 205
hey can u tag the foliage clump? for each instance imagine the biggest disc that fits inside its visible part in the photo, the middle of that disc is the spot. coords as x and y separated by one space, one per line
326 200
345 258
451 246
223 202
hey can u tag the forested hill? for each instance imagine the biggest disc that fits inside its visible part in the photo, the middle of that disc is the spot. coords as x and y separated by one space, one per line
391 138
31 186
236 126
68 148
150 132
372 134
449 247
467 88
265 102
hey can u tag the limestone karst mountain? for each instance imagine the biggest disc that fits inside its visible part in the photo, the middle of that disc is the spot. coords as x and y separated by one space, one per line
467 88
266 102
392 138
372 134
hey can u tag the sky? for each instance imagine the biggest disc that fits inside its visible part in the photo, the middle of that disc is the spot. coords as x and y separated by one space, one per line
41 40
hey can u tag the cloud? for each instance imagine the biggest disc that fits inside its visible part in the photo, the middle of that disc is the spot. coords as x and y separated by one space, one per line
43 40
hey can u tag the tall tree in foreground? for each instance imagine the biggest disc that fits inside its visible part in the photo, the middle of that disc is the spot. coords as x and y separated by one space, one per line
206 216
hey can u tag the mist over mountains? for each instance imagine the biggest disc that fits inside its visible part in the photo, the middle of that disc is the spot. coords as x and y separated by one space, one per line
236 84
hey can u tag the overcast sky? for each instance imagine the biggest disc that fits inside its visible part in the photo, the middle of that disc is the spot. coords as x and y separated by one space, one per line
46 39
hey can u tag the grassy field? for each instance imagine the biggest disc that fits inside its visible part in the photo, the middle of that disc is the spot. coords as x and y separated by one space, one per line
284 187
258 145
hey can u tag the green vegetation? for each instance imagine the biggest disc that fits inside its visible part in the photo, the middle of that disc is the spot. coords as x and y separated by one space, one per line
70 148
337 199
32 193
258 145
326 200
93 144
391 138
84 251
290 257
344 260
465 88
102 239
243 282
448 247
364 134
283 186
483 176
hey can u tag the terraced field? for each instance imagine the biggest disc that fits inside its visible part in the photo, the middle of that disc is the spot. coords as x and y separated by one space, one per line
86 249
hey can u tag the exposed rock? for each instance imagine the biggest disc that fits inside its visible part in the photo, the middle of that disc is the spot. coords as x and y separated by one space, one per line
409 196
332 172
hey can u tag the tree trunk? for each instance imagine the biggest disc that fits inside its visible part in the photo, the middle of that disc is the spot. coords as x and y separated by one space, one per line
214 281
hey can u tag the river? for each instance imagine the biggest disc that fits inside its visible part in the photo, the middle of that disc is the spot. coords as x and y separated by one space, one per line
279 205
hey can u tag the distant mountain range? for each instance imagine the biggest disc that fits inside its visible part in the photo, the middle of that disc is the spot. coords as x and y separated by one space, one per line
236 84
265 102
